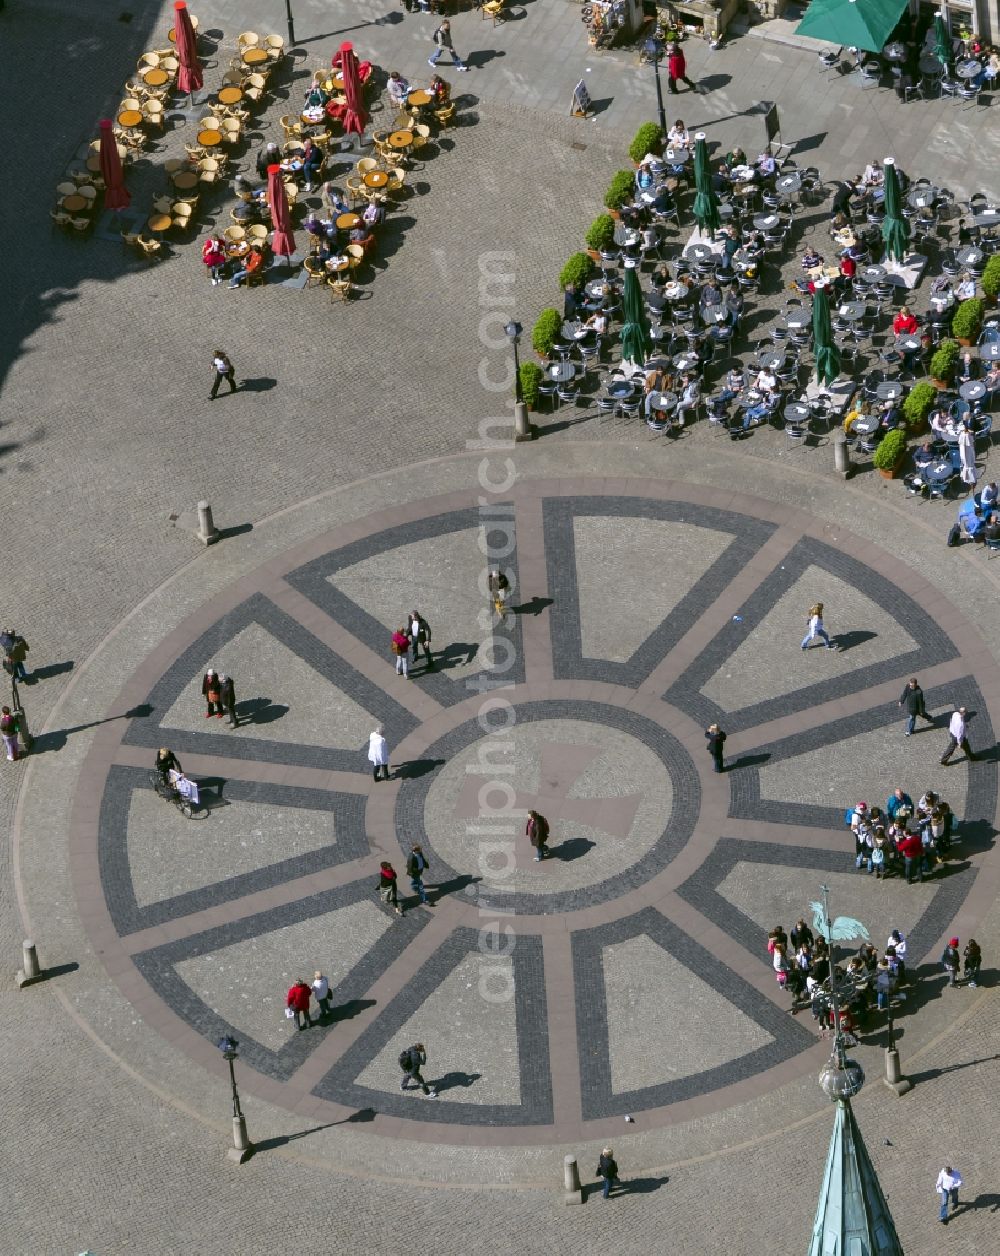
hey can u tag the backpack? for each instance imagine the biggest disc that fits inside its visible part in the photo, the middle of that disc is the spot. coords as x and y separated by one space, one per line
405 1063
438 38
954 536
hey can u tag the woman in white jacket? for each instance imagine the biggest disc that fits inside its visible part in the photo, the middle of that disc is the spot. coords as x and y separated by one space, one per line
378 754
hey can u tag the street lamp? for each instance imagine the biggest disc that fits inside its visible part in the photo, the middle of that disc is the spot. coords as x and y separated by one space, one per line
291 22
514 330
654 50
242 1148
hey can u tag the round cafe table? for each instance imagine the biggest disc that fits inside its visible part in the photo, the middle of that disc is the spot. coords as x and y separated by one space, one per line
889 390
662 400
988 218
230 96
764 222
129 117
185 179
866 424
937 471
596 289
973 390
620 389
894 52
797 320
788 183
968 69
159 222
921 198
772 360
698 252
930 65
155 77
376 179
561 372
796 412
239 249
254 56
401 139
209 139
418 98
337 264
969 257
73 204
348 221
907 344
677 156
872 274
853 311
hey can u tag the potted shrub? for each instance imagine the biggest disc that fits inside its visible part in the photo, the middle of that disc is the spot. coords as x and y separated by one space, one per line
546 331
991 278
648 139
601 235
576 272
918 405
944 362
968 321
620 191
889 453
531 376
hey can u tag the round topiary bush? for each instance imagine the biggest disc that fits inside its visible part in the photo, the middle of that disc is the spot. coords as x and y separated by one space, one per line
945 360
648 139
991 277
546 331
576 272
620 190
968 320
531 376
918 405
601 234
890 450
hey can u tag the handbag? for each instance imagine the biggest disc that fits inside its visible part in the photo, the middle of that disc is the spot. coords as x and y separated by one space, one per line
289 1014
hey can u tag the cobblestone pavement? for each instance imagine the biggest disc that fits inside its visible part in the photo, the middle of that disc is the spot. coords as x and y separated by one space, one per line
106 437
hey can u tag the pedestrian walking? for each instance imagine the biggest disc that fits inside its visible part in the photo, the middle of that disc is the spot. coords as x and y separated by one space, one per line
224 370
950 961
378 755
912 701
321 993
419 633
297 1002
677 69
227 695
211 691
387 888
15 650
973 962
498 586
401 649
442 38
814 628
8 731
537 830
716 740
947 1184
411 1061
957 737
416 866
607 1169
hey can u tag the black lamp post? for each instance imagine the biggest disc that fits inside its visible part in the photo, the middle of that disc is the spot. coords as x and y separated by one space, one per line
513 330
242 1148
654 50
291 22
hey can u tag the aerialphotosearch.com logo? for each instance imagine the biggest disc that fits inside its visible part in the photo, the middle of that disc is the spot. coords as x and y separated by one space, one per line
495 831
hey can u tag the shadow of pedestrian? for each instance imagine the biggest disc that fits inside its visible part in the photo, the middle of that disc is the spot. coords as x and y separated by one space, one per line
571 848
456 654
848 640
263 383
991 1201
415 768
746 761
641 1186
259 711
476 60
51 669
534 607
463 882
454 1081
346 1011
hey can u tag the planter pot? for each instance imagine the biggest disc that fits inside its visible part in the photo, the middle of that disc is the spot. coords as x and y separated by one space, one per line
892 472
593 255
939 384
615 214
966 344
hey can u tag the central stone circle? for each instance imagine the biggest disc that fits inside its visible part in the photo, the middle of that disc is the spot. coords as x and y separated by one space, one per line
620 793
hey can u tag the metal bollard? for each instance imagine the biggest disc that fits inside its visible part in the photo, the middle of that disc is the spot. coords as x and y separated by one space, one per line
207 531
894 1078
30 970
522 428
841 454
572 1193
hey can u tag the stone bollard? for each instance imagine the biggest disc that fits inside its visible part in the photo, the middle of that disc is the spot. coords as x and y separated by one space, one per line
242 1148
522 428
894 1078
207 531
841 454
30 971
571 1182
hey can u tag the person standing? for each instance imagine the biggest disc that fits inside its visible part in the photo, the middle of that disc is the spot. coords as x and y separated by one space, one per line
212 693
416 866
411 1061
947 1184
298 1001
321 993
8 731
224 370
957 738
442 38
607 1169
677 69
716 739
912 700
973 962
378 755
967 454
401 649
227 696
498 586
950 961
387 890
912 850
16 649
419 632
814 628
537 830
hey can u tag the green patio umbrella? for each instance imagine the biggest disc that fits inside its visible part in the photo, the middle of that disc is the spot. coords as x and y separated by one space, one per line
636 340
706 203
942 41
827 357
895 228
852 23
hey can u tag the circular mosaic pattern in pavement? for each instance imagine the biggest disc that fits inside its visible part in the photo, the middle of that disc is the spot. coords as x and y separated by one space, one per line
626 973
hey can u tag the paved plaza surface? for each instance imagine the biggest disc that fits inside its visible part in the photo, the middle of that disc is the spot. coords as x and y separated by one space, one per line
657 588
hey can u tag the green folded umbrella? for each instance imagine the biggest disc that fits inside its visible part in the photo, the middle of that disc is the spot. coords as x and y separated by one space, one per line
706 203
636 338
942 41
895 228
825 351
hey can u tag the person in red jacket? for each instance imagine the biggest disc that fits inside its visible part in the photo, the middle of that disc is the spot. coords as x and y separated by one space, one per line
677 69
904 324
912 849
298 1000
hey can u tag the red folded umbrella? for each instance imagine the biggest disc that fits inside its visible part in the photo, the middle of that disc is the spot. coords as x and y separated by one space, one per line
116 194
355 117
189 76
282 242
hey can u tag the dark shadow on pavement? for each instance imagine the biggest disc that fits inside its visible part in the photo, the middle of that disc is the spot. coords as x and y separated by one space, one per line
56 739
453 1081
238 529
347 1011
57 970
808 142
263 383
747 761
715 82
601 106
641 1186
456 654
534 607
476 60
52 669
928 1075
415 768
991 1201
453 886
260 711
282 1140
571 848
848 640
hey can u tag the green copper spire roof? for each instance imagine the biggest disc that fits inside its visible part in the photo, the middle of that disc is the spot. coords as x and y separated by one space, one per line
852 1218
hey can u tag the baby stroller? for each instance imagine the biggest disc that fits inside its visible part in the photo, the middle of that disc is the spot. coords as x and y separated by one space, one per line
175 787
